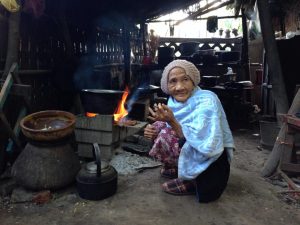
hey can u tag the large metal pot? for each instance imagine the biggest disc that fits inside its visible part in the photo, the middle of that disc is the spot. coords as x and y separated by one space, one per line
100 101
97 180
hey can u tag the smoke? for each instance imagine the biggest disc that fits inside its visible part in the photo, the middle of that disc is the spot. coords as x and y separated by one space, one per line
136 94
103 31
86 77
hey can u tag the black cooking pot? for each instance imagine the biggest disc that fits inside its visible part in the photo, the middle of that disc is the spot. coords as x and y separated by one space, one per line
97 180
165 55
188 48
100 101
209 59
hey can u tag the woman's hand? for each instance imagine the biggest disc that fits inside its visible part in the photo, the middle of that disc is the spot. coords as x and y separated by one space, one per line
150 132
161 112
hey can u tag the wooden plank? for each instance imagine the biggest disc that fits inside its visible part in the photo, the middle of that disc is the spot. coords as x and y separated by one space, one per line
288 146
237 40
32 72
288 180
22 90
199 12
21 115
290 167
5 89
13 71
16 130
13 68
294 121
9 130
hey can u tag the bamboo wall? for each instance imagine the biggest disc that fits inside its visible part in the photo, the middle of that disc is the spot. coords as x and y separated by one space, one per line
49 56
43 44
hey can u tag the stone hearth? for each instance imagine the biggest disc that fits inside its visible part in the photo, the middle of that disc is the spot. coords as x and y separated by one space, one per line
103 130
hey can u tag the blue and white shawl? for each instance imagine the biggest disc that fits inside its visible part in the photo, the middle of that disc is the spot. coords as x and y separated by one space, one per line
205 129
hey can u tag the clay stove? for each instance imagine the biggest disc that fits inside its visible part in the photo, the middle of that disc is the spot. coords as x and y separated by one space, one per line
101 129
107 130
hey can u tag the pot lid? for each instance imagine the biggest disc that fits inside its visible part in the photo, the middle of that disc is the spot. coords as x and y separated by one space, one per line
91 167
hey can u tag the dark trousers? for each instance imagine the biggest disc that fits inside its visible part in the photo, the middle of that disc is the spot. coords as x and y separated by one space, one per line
211 183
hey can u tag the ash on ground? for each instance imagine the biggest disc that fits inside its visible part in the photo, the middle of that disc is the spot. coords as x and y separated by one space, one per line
127 163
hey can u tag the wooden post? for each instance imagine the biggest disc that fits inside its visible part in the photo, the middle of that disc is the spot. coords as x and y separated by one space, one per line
126 52
245 52
3 39
7 88
65 30
274 66
13 41
144 30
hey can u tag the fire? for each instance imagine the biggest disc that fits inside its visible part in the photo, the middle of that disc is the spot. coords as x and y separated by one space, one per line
89 114
120 111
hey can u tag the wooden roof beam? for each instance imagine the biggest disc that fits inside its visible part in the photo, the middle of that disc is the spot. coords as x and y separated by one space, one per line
205 10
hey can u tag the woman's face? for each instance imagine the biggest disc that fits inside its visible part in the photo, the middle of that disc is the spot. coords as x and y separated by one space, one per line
180 85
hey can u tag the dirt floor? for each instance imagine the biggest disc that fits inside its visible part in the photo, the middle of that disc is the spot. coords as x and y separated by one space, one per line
248 200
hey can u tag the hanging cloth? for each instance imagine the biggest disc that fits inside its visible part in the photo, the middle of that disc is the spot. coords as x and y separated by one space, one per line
10 5
212 24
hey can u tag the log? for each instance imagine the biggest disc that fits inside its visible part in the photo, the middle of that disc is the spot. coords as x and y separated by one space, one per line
288 180
274 158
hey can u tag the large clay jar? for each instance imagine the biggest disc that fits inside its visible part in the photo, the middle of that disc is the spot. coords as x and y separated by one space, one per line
48 160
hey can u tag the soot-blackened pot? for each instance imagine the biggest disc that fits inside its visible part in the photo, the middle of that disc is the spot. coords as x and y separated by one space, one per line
100 101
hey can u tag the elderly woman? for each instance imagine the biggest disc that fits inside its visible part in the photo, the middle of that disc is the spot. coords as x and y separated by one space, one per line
191 135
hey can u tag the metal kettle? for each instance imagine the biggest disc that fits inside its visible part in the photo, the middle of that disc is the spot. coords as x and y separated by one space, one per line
97 180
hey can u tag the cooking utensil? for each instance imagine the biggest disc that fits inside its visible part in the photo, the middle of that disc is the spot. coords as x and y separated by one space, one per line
100 101
188 48
165 55
97 180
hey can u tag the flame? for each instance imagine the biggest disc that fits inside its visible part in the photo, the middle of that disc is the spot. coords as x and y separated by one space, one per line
120 111
89 114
